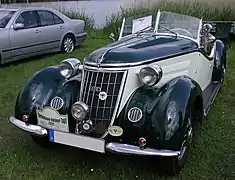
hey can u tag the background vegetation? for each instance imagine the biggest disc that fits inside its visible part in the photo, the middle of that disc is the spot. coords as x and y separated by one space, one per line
213 158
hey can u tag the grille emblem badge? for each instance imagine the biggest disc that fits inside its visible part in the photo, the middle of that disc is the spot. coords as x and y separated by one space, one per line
103 95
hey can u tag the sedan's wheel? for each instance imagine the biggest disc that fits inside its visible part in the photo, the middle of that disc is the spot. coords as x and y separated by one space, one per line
42 141
68 44
172 166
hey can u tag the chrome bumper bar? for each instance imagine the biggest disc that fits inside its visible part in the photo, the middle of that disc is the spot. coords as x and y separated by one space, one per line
117 148
135 150
33 129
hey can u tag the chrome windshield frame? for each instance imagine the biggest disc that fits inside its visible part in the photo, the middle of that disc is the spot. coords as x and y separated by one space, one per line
155 32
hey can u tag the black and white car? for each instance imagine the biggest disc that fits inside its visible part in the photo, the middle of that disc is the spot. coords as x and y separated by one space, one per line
145 94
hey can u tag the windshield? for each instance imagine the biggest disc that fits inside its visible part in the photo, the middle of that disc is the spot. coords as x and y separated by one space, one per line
179 23
5 17
168 23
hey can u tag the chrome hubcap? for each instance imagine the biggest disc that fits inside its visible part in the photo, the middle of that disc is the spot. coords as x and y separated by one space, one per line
187 142
68 45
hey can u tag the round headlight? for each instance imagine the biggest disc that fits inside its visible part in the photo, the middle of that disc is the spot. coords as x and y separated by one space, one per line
69 67
79 110
150 75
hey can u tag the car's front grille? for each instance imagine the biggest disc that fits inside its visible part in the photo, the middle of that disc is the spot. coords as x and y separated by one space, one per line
100 92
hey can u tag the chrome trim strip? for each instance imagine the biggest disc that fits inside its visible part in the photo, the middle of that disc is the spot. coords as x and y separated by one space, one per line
33 129
135 150
128 65
101 69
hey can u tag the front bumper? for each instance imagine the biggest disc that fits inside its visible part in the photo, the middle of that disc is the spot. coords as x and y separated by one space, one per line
32 129
117 148
135 150
81 38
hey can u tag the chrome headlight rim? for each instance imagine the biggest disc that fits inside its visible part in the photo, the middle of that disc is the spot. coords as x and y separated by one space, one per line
156 69
72 65
84 108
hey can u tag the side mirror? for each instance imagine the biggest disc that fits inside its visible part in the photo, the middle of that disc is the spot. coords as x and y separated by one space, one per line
111 36
18 26
207 28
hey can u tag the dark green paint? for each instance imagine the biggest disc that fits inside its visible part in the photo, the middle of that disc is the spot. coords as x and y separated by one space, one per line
39 91
134 49
155 104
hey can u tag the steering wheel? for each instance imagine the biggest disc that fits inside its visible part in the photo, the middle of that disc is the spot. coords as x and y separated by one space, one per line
180 29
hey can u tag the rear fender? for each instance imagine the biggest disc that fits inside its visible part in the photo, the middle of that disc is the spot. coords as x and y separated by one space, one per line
220 59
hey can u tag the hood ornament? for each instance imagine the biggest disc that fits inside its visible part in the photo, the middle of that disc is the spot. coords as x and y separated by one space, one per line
98 62
101 59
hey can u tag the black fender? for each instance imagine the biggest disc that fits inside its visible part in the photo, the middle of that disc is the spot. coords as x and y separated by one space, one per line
164 110
219 60
41 88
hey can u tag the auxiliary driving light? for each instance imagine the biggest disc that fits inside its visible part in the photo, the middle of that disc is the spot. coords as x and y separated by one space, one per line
150 75
79 110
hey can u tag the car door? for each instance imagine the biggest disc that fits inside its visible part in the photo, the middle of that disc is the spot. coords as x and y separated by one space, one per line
25 41
202 65
52 29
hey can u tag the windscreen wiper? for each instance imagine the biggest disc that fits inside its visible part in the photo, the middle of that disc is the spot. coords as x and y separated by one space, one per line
142 30
170 31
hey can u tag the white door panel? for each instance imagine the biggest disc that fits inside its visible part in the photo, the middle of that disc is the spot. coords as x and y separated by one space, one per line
195 65
172 67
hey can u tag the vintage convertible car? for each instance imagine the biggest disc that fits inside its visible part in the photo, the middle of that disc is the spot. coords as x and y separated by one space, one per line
144 94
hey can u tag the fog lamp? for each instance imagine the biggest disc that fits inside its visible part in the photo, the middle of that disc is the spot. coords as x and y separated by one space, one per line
79 110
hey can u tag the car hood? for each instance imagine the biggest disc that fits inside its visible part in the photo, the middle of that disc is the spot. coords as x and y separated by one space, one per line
143 47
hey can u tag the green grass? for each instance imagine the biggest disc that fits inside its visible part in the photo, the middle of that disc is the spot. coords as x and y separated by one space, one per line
21 158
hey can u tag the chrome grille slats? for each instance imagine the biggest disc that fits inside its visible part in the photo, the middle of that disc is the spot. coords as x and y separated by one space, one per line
97 106
112 96
95 81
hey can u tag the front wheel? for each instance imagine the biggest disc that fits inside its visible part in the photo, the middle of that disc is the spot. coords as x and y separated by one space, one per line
42 141
173 165
68 44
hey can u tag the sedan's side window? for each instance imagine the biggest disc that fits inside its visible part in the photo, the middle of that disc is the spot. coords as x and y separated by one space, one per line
28 19
57 19
48 18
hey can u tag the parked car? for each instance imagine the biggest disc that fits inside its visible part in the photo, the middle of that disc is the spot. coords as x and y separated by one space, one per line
145 94
34 31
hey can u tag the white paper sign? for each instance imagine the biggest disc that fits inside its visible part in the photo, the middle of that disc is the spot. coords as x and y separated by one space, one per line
51 119
142 23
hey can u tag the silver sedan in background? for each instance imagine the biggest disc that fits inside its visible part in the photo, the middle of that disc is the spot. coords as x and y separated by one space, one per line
28 32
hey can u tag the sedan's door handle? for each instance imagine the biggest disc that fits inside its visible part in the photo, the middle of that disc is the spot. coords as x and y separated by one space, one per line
61 27
38 31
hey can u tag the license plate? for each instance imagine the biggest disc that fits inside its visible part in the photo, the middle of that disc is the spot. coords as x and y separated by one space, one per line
84 142
52 119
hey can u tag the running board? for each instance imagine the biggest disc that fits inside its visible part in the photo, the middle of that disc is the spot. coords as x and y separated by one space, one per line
209 95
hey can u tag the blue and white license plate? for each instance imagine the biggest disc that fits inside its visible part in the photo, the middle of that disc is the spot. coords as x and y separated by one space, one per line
84 142
52 119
